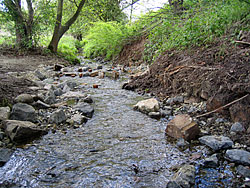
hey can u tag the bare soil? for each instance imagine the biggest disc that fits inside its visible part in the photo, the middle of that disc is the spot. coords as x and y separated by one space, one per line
218 73
14 61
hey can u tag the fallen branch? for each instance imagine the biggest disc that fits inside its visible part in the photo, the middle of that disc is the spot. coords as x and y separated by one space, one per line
242 42
237 100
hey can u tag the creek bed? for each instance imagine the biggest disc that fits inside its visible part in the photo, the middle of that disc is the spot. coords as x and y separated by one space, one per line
118 147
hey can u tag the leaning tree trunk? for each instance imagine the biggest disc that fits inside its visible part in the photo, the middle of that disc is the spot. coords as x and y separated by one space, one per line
59 30
23 26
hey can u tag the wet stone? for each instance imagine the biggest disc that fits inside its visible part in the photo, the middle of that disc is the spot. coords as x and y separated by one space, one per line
243 171
216 142
155 115
211 162
238 156
85 109
40 75
184 178
5 155
237 128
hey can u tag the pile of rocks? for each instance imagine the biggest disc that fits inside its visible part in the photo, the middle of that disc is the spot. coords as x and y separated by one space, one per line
186 130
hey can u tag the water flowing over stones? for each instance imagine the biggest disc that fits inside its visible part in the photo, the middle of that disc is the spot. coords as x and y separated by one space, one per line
95 139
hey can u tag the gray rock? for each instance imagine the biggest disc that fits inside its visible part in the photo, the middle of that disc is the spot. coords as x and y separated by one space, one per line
21 131
220 120
175 100
237 128
71 84
244 171
185 178
1 135
57 117
24 98
165 113
66 89
85 109
58 92
40 105
5 155
87 99
211 162
4 113
50 97
181 143
40 75
216 142
79 119
23 112
155 115
238 156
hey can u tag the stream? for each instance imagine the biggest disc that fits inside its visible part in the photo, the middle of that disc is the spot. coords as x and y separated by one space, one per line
118 147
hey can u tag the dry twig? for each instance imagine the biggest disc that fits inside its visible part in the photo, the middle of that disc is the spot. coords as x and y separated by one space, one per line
237 100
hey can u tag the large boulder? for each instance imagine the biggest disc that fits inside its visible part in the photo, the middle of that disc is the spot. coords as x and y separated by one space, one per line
57 117
24 98
184 178
23 112
216 142
147 106
21 131
238 156
183 126
4 113
85 109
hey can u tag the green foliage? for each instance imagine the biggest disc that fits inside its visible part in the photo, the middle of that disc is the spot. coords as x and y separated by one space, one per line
68 50
201 23
105 39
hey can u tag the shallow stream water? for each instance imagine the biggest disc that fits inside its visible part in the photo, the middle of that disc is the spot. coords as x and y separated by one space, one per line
118 147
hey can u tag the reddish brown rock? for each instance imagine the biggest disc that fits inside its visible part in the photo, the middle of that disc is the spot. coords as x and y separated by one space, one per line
95 86
94 74
183 126
240 113
217 101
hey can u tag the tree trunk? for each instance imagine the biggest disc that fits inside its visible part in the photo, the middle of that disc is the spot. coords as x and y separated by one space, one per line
23 28
59 30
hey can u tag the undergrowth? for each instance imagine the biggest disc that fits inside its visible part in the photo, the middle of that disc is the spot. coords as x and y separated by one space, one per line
105 39
198 25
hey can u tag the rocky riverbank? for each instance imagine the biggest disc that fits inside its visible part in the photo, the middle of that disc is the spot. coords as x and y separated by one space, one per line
56 101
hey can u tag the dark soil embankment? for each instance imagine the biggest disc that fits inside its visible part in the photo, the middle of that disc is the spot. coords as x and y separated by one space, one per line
218 73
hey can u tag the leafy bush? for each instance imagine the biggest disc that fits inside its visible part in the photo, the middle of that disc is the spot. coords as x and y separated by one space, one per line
105 39
66 47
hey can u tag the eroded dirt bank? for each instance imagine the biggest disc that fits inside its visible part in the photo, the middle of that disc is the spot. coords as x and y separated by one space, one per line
218 74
